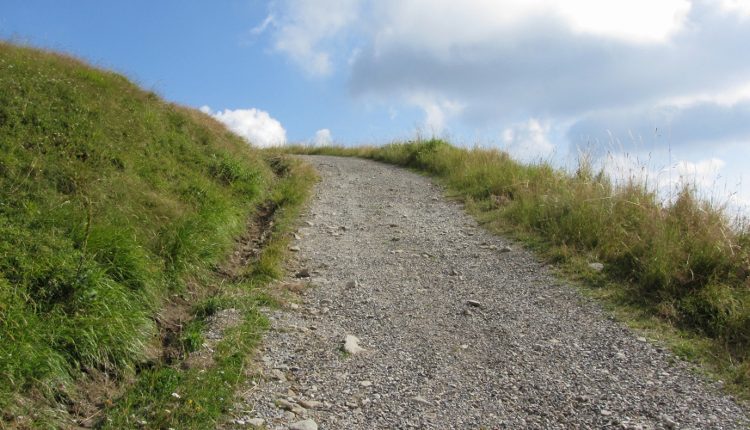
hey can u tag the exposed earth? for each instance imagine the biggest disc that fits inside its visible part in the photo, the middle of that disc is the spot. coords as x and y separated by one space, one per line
415 317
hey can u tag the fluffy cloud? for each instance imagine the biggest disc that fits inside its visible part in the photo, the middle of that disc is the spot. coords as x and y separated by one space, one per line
323 137
256 126
704 176
436 111
305 30
528 141
703 173
490 62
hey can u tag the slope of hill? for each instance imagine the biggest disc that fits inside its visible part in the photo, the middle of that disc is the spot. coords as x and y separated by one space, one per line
114 206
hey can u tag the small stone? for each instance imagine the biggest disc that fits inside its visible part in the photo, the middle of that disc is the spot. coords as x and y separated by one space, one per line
668 422
311 404
304 425
454 272
365 383
641 339
352 284
351 344
505 249
309 223
297 237
278 375
304 273
293 306
420 399
605 412
256 422
464 346
294 248
176 396
473 303
285 404
596 267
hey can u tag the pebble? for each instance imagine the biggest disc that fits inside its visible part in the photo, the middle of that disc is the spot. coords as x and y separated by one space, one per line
596 267
474 303
304 425
351 344
311 404
420 399
256 422
278 375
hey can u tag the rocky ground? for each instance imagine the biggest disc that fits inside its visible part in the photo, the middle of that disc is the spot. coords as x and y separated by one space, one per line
417 318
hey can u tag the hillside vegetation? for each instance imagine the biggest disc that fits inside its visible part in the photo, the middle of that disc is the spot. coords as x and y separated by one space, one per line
682 265
115 207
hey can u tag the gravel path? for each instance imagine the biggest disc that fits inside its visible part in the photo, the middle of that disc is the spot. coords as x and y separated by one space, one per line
458 330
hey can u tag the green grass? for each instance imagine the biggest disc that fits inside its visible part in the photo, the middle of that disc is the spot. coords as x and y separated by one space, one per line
205 395
113 203
678 270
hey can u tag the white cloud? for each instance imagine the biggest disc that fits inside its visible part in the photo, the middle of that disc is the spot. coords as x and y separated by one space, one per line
443 25
528 141
305 29
263 26
643 21
741 7
323 137
256 126
436 111
506 60
704 175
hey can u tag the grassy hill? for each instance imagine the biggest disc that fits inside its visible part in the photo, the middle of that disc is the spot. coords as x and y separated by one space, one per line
679 271
114 207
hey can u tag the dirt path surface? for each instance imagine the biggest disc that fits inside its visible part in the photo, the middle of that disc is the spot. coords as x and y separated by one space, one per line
458 331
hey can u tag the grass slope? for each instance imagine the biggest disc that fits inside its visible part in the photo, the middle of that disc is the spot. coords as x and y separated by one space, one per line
681 269
112 203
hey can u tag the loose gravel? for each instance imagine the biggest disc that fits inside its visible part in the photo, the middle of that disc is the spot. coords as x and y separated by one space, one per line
455 329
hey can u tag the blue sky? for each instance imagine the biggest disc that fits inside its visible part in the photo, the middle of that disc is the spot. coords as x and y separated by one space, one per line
658 90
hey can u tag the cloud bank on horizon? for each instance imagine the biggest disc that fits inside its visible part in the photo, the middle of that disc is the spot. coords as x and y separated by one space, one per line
602 66
552 75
